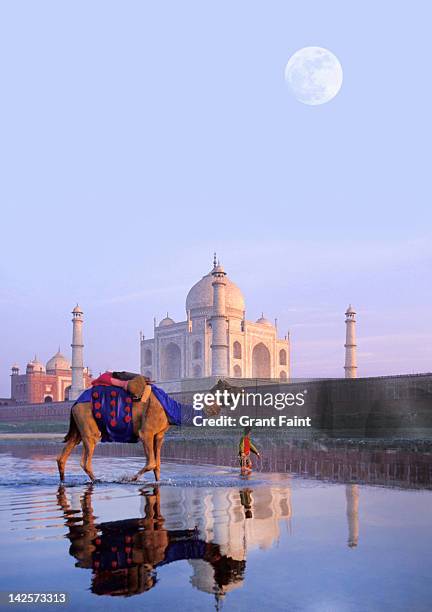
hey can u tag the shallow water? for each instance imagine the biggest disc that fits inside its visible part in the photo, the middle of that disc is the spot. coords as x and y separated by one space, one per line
206 537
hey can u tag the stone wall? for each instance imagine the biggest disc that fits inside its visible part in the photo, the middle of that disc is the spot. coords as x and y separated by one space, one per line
368 407
31 412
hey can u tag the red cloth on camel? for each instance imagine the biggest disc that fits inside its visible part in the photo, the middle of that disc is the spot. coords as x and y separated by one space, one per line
103 379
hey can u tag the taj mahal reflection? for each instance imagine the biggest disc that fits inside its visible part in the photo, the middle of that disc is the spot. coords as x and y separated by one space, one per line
212 529
352 510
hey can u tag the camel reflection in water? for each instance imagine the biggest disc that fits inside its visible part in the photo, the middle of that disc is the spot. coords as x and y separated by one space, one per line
124 555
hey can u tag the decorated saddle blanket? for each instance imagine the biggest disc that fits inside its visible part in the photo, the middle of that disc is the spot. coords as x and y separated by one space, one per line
112 411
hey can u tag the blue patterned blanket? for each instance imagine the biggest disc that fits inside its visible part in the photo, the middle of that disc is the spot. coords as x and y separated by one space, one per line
112 410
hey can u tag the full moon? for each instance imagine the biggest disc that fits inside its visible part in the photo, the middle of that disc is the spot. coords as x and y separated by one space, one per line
314 75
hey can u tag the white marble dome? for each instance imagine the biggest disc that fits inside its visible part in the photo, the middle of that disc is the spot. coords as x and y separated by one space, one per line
199 300
58 362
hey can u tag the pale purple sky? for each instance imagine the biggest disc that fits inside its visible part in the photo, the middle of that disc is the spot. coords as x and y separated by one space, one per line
137 139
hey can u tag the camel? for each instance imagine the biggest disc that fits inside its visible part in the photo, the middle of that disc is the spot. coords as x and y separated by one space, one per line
150 424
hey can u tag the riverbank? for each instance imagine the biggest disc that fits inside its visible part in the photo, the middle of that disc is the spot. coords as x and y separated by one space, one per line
31 436
34 427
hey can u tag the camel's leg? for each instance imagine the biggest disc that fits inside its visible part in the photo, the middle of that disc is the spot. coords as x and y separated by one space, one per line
158 441
64 455
89 433
89 445
147 438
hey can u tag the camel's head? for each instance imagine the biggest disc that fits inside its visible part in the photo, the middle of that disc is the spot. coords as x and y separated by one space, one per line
221 385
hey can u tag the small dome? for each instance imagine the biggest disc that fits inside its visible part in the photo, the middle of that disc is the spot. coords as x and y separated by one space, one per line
15 367
77 309
166 321
58 362
350 310
35 366
263 321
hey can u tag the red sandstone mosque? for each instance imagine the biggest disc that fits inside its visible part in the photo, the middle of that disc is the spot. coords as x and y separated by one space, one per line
44 383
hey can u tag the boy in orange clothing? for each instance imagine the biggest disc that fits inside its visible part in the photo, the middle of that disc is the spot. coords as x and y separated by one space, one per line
245 447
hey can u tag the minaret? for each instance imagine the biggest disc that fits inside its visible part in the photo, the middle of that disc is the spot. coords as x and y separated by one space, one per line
14 376
352 510
350 344
219 346
77 354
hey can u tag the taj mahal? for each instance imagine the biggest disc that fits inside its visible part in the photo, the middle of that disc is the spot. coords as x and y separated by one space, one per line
216 339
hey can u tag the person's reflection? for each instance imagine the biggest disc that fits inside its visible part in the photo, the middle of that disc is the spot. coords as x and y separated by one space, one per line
124 555
246 502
